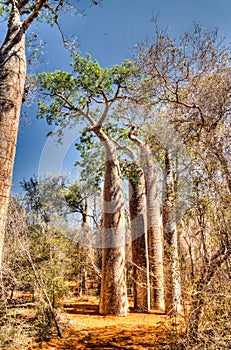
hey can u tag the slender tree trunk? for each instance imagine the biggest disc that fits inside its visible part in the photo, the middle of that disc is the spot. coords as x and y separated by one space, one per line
172 265
12 80
195 313
113 297
84 250
140 264
155 235
154 227
85 214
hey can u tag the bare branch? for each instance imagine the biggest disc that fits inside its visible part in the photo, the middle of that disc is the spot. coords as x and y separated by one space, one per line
126 149
217 259
76 109
104 115
136 140
33 15
55 13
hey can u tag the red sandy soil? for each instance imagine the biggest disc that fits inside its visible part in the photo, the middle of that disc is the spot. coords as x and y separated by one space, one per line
88 330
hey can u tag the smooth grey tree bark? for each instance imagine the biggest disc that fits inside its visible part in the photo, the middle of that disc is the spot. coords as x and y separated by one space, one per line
154 227
171 254
138 218
113 296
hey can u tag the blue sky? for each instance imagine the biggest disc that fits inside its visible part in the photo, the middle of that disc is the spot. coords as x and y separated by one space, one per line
108 32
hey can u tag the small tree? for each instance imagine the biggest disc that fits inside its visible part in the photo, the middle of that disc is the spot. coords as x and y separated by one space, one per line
35 262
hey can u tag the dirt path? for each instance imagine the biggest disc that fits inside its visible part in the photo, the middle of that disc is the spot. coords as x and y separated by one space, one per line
88 330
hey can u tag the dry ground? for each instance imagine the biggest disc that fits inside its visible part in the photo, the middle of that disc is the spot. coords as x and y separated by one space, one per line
88 330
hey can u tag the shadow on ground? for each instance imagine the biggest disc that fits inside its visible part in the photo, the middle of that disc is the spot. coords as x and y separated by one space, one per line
88 330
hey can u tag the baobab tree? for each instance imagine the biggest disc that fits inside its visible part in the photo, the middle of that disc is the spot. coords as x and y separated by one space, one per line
19 15
137 203
191 78
71 98
172 265
140 257
154 229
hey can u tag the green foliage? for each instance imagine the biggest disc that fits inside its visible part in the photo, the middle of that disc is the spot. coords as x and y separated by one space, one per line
92 153
87 141
132 174
73 195
13 332
116 131
44 198
4 11
47 13
32 195
35 47
76 195
94 79
91 162
57 81
91 77
67 96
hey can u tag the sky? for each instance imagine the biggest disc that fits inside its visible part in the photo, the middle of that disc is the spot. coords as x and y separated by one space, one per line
108 32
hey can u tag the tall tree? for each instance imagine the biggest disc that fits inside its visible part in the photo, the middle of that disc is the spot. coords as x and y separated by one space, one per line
20 14
70 98
137 203
172 265
140 258
191 77
154 229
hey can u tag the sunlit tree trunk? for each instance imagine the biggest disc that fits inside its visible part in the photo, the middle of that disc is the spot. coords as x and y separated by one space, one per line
155 235
12 80
113 297
154 227
84 250
103 88
85 213
172 266
140 265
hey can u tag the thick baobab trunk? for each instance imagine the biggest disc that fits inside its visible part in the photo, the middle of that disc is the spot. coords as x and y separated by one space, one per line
12 80
113 297
154 227
172 265
140 265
